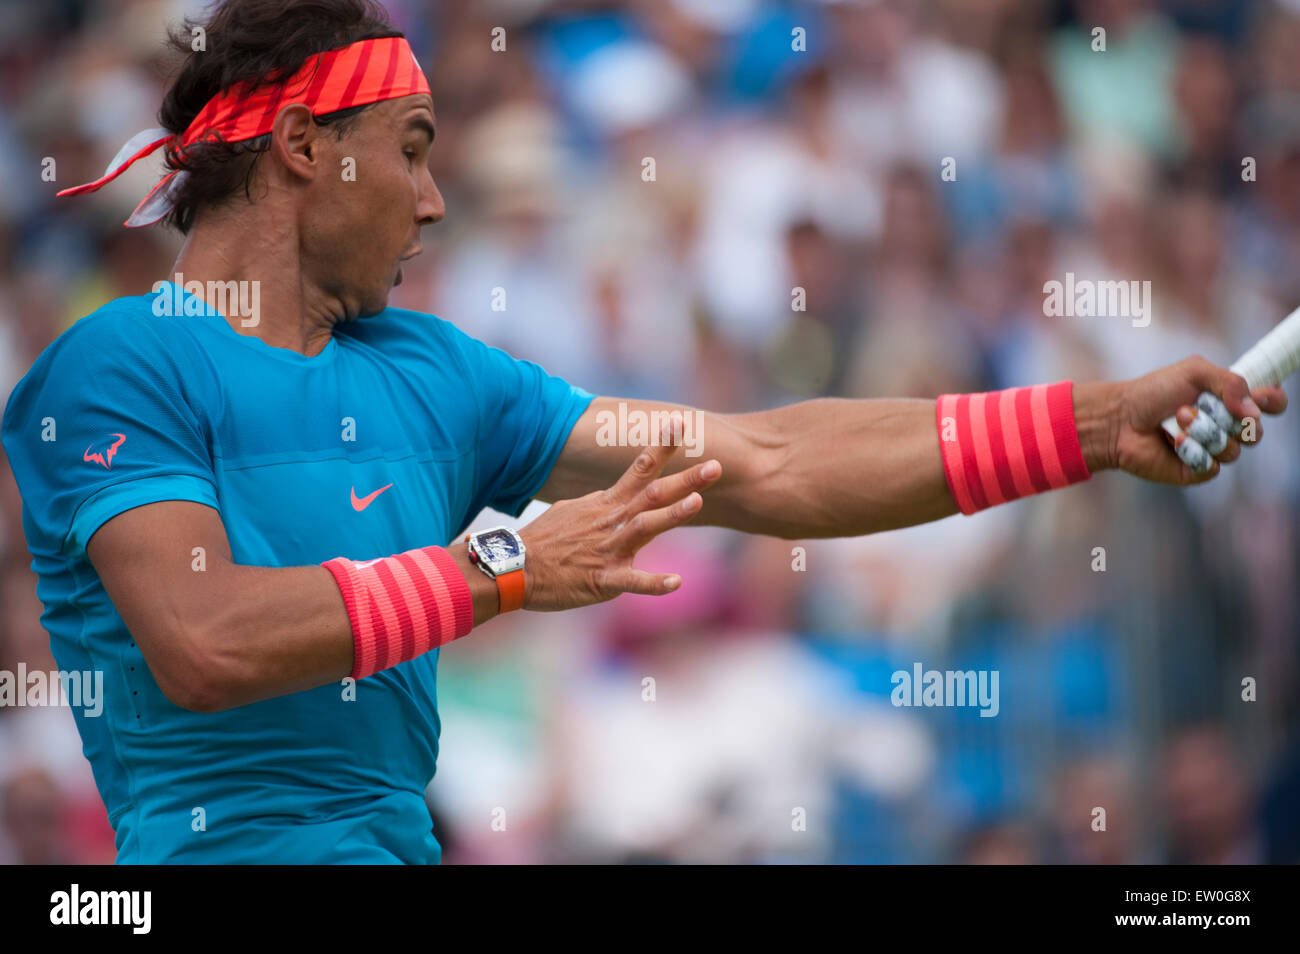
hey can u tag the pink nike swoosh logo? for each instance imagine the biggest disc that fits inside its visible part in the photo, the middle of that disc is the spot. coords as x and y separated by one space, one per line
367 500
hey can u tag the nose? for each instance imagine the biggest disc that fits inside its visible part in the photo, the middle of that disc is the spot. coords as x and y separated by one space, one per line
430 209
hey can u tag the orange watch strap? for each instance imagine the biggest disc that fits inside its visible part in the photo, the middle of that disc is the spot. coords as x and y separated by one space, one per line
510 588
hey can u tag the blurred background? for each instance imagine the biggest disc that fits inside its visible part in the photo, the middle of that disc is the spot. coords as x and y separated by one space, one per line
1171 157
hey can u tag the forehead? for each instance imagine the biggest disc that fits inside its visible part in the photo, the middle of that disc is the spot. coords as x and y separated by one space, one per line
401 112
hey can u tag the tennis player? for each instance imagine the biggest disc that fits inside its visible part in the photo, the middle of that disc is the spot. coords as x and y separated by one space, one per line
250 523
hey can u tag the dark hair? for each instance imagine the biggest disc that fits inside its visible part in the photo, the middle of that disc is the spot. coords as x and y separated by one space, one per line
257 41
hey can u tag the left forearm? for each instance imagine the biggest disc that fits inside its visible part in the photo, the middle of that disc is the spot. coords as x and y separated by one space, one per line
837 467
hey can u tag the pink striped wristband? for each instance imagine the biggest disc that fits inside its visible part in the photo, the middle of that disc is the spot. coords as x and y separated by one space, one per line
402 606
1001 445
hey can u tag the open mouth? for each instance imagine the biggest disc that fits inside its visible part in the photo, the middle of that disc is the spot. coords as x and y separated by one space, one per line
405 258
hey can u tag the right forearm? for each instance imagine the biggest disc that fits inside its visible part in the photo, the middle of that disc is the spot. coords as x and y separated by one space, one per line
217 634
268 643
287 630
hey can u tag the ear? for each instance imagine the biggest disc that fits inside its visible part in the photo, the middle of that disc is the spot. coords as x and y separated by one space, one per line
295 141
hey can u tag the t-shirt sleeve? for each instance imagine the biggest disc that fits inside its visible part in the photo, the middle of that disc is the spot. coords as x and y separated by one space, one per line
106 421
525 417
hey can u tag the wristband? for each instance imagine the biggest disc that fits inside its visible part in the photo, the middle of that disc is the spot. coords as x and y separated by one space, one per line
1001 445
402 606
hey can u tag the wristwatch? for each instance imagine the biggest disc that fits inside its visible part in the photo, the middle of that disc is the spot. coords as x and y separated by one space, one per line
499 552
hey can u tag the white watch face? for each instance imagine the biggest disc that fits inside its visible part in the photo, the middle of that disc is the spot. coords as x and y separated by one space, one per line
500 550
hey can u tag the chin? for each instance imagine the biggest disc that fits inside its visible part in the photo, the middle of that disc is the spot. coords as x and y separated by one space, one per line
373 304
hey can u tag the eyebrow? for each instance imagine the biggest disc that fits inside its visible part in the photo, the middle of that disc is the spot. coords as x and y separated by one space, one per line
420 122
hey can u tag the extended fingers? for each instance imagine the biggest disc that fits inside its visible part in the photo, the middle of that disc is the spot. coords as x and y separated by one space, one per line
668 502
648 524
674 487
649 463
631 580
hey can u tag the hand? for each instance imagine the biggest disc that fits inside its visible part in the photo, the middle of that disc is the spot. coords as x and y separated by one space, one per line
1141 446
580 551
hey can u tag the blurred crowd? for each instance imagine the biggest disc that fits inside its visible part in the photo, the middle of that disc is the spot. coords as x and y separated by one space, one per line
651 184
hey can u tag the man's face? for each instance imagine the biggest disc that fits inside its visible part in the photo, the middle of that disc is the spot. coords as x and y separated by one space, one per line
363 213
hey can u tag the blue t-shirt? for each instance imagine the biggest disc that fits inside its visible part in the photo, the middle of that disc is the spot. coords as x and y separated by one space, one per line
129 407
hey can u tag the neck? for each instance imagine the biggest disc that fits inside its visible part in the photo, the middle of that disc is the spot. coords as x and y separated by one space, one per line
271 298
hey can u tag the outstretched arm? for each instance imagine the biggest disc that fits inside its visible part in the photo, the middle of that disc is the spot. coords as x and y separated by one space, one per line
838 467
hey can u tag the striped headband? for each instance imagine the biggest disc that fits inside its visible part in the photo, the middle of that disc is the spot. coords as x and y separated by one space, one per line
368 71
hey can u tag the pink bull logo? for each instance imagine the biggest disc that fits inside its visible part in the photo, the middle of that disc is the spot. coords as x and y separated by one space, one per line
104 451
